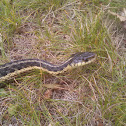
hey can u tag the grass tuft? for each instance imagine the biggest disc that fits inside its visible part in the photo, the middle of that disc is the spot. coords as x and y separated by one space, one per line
53 30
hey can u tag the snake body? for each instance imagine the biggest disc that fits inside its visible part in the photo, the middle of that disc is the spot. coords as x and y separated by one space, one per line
9 70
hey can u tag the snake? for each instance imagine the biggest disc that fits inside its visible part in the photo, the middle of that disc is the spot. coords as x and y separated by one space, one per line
11 69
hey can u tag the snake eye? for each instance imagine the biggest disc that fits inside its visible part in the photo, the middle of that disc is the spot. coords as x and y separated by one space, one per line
86 60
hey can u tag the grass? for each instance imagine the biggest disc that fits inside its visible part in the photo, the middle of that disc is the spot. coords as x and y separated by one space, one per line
52 30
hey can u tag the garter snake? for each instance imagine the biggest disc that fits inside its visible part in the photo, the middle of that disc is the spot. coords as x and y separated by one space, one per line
9 70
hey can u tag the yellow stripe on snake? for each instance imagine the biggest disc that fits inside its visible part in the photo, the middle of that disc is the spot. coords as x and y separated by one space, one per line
9 70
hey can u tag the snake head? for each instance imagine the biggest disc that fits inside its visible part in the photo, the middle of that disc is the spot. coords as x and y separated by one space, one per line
82 58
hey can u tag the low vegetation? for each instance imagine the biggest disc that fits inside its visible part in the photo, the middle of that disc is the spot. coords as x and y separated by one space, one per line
53 30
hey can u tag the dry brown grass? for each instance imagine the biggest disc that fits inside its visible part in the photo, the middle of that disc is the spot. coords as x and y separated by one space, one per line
83 96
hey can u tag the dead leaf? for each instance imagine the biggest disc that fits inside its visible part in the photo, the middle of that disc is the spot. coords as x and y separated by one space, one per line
122 16
48 94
